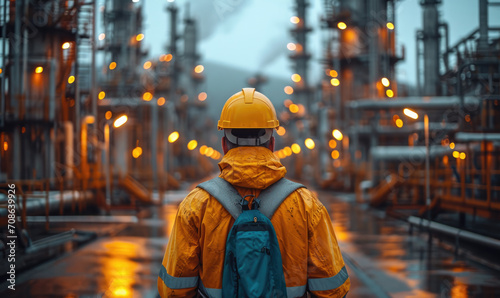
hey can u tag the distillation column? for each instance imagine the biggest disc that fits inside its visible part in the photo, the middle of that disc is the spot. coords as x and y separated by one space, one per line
431 47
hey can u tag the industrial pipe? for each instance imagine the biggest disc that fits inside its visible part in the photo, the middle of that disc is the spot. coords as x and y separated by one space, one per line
398 153
434 102
36 206
459 233
406 130
477 137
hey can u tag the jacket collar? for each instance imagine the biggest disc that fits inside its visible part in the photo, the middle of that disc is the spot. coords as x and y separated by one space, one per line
251 167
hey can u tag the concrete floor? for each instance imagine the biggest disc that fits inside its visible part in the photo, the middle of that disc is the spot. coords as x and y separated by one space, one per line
381 258
387 261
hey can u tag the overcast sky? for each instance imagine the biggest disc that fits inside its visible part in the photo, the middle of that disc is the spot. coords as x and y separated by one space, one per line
253 34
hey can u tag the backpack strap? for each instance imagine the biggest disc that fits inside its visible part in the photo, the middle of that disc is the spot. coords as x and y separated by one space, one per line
270 198
225 193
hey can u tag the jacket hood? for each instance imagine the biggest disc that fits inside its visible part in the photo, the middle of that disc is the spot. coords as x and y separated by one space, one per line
251 167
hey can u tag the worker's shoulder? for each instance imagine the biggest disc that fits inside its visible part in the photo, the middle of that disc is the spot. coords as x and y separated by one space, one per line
308 202
195 200
308 197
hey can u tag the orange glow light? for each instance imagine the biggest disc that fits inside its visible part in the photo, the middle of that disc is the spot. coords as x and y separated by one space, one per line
390 26
161 101
203 149
302 110
192 145
137 152
199 68
112 65
389 93
296 78
337 134
410 113
399 123
147 96
102 94
209 151
293 108
168 58
173 137
309 143
147 65
296 148
120 121
202 96
341 25
288 90
281 131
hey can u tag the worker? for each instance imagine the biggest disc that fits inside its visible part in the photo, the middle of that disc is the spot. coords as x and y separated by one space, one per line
194 259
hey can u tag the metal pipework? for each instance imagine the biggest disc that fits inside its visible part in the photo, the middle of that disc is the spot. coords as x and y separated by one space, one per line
398 153
483 26
428 103
446 58
458 233
37 205
431 46
463 100
477 137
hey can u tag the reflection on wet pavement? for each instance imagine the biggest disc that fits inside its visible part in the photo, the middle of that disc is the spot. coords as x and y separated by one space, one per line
109 267
382 259
124 265
381 252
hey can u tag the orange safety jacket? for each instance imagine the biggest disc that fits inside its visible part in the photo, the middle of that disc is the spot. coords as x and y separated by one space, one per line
310 254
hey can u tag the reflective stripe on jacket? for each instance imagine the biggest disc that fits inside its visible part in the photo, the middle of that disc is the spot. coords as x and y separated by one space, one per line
195 252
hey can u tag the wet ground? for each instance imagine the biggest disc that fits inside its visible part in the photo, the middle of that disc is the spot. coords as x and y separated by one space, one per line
382 258
385 260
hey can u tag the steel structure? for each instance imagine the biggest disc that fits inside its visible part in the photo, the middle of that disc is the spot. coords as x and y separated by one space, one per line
359 61
47 83
47 54
458 91
58 108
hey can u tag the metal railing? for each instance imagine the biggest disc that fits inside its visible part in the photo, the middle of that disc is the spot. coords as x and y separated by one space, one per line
456 185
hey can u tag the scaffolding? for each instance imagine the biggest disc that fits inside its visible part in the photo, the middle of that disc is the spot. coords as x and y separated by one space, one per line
455 150
46 88
47 53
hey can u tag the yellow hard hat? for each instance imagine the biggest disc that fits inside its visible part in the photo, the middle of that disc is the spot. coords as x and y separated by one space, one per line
248 109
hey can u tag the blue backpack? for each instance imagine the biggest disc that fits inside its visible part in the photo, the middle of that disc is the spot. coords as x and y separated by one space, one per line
252 264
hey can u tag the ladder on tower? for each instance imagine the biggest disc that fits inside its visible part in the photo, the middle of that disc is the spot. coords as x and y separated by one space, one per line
84 45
